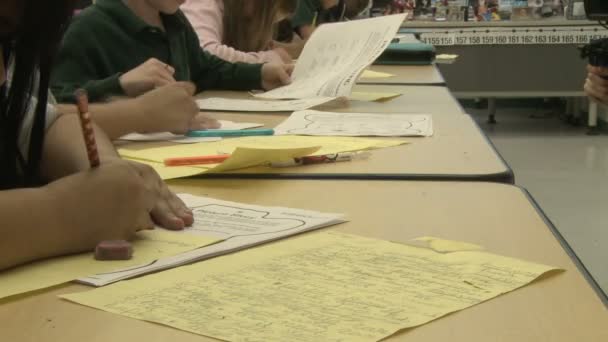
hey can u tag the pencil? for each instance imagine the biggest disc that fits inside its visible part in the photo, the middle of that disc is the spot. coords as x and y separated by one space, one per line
314 19
82 102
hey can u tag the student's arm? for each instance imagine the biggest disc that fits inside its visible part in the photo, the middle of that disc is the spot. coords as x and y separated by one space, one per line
77 66
81 207
167 109
207 21
211 72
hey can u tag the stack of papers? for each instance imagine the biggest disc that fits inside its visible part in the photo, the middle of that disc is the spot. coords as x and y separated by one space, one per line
250 151
237 225
244 105
335 55
312 122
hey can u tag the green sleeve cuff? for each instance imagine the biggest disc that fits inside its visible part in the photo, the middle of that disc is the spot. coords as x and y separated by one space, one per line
249 76
102 89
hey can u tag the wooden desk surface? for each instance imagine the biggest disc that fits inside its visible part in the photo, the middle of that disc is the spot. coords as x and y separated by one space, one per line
415 99
559 308
406 75
458 150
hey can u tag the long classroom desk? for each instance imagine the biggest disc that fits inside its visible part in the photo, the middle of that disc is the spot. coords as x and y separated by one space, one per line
562 307
406 75
459 150
414 99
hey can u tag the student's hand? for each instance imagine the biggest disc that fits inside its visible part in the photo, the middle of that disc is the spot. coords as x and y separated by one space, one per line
276 75
203 121
113 202
283 54
595 85
149 75
167 109
168 211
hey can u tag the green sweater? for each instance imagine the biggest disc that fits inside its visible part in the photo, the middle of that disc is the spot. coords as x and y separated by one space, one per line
108 39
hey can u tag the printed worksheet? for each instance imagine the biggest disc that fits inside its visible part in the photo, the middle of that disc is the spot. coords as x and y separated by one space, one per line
238 225
335 55
312 122
245 105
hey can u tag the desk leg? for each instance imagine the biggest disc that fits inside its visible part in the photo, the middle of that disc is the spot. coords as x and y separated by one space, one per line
592 124
492 110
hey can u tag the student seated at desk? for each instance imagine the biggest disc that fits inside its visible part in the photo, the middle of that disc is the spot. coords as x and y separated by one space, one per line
51 203
239 30
130 47
311 13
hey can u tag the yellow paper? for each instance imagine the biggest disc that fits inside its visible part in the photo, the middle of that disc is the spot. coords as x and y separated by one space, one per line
251 151
149 246
242 157
375 74
372 97
447 246
319 287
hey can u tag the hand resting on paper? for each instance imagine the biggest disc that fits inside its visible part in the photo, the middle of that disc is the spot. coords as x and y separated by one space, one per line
276 75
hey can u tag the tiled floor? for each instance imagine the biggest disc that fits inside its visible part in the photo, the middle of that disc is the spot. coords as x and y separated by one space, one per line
565 170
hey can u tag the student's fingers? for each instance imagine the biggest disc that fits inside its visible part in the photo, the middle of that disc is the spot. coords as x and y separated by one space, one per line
284 77
597 80
203 121
170 212
600 94
178 207
289 68
599 71
164 216
188 86
164 74
158 64
597 86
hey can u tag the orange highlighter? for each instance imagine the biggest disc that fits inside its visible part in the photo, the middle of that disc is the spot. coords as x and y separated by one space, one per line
200 160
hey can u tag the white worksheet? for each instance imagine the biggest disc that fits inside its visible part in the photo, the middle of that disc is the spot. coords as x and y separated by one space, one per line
244 105
182 139
335 55
312 122
239 225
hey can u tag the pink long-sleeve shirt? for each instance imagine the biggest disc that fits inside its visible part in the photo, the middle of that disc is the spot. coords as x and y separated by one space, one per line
206 16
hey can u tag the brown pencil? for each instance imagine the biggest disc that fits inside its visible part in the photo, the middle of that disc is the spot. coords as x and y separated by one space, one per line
82 101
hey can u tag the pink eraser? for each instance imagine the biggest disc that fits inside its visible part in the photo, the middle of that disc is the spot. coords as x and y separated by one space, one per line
113 250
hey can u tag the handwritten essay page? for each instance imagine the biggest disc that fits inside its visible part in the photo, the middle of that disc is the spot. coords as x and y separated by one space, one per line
244 105
335 55
312 122
239 225
148 247
182 139
320 287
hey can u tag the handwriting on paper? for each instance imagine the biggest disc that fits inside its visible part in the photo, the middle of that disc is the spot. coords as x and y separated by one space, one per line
321 287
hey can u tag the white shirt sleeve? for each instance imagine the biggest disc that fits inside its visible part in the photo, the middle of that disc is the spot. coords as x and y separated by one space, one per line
28 122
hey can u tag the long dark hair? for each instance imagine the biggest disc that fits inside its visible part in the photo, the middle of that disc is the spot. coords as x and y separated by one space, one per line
32 48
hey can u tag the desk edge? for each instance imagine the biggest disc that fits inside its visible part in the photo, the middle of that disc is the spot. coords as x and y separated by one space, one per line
567 248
